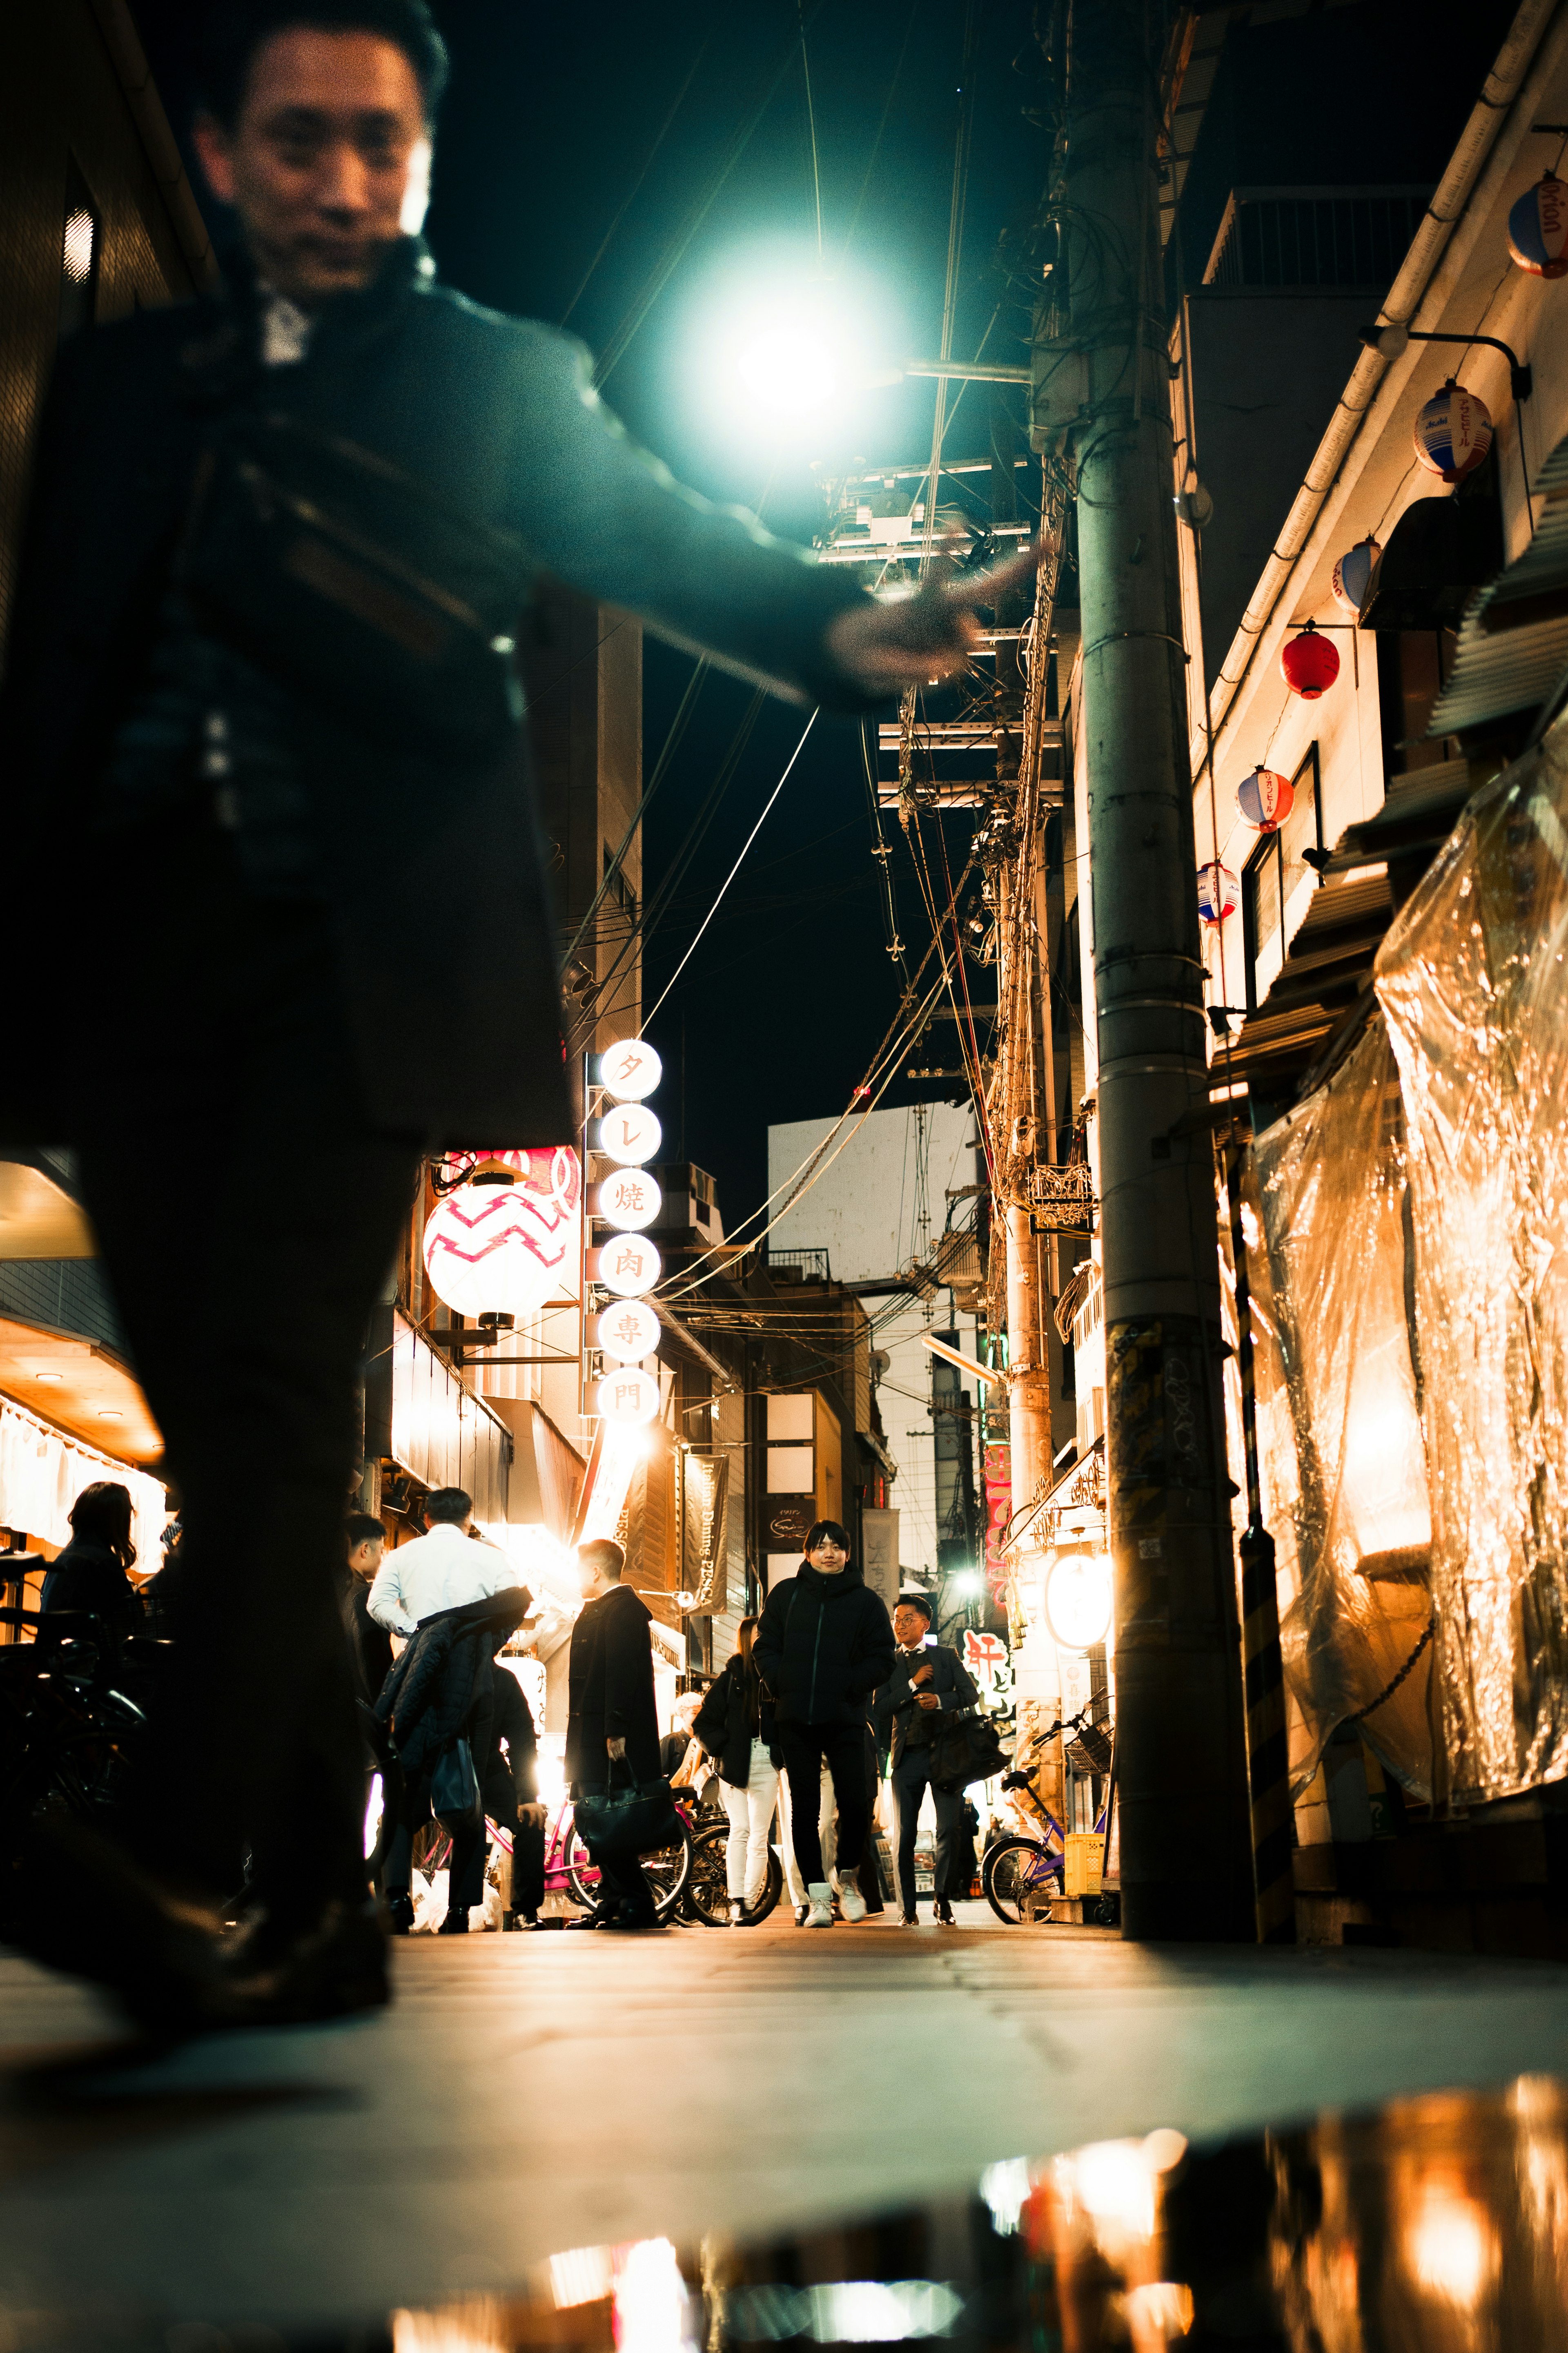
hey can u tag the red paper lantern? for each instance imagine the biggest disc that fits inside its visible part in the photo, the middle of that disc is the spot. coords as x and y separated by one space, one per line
1309 664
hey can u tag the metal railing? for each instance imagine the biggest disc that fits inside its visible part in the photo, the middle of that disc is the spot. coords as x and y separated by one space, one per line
1315 237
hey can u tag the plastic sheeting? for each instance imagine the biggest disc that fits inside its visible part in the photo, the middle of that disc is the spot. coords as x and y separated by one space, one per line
1472 982
1341 1456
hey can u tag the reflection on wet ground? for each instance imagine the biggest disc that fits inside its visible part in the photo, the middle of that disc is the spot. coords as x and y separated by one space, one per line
1438 2224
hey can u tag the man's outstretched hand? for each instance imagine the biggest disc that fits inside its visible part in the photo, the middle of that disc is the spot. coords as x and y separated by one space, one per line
919 637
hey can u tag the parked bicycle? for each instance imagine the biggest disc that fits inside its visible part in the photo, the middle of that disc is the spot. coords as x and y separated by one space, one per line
708 1891
1021 1876
70 1715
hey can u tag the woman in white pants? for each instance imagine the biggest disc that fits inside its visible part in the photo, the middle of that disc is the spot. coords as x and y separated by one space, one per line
734 1725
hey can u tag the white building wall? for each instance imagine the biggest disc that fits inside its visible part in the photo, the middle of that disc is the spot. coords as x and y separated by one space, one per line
877 1207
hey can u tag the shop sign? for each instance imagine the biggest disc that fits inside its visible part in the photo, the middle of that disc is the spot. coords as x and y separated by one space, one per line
628 1331
998 1477
506 1249
787 1520
630 1070
630 1133
628 1266
629 1201
627 1395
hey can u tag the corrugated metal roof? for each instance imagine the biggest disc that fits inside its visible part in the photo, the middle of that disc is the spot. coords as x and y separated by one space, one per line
1513 640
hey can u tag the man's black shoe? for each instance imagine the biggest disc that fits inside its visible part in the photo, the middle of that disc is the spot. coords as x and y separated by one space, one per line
945 1914
332 1967
400 1914
456 1923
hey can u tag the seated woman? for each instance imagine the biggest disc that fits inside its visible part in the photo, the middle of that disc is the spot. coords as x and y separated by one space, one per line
90 1573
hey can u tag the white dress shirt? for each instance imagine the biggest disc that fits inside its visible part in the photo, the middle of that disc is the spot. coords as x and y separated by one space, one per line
438 1572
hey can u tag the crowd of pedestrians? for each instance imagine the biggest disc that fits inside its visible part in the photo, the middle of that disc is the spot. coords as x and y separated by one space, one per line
823 1698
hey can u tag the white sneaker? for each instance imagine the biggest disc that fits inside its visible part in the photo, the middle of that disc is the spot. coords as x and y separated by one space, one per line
851 1902
820 1915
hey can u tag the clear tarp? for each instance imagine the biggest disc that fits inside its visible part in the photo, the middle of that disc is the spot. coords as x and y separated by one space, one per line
1472 981
1341 1457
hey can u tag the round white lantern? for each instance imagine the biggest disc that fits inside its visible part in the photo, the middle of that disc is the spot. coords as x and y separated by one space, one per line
630 1133
629 1201
628 1331
504 1249
629 1071
1078 1599
627 1395
628 1266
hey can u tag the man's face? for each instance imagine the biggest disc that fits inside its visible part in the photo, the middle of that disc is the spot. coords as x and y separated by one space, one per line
829 1556
329 163
365 1558
909 1625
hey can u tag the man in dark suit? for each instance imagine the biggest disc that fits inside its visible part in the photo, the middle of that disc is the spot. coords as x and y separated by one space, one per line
261 706
611 1716
927 1679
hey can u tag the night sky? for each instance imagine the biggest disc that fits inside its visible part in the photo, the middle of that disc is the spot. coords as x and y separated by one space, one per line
551 115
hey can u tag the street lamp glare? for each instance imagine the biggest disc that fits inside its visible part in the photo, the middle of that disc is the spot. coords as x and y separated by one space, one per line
789 371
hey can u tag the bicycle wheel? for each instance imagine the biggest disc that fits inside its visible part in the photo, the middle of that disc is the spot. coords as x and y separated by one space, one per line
666 1872
708 1889
1018 1876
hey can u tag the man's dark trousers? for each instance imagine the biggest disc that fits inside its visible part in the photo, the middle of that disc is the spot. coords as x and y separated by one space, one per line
247 1216
623 1889
911 1776
805 1746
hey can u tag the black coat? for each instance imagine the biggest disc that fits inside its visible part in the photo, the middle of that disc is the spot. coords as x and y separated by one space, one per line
610 1695
822 1645
430 859
439 1691
370 1643
725 1727
86 1576
515 1782
896 1715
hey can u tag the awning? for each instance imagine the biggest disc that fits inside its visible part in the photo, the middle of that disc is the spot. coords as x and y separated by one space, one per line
418 1414
1513 642
39 1213
43 1470
1439 550
81 1387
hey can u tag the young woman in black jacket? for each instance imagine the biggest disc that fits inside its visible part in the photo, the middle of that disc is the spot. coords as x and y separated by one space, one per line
734 1725
825 1641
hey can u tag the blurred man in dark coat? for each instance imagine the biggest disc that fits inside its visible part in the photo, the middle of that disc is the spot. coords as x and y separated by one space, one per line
260 697
612 1715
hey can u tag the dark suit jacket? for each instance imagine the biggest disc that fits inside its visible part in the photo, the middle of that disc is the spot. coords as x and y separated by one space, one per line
610 1695
896 1715
431 861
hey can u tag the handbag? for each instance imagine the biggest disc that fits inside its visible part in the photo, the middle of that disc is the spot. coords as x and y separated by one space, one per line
619 1825
354 581
965 1748
455 1786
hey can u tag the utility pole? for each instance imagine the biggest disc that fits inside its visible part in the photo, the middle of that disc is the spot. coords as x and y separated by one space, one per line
1180 1761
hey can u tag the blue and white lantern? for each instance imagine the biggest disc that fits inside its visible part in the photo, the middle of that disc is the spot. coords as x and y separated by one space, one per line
1352 573
1218 891
1266 799
1537 229
1453 432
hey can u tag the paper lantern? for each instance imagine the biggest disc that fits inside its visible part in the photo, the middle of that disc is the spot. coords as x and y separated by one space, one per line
1537 229
1309 664
1078 1599
1266 799
1453 432
1218 891
504 1249
1353 575
629 1071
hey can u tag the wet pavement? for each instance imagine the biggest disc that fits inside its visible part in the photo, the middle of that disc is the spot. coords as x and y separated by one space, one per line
995 2137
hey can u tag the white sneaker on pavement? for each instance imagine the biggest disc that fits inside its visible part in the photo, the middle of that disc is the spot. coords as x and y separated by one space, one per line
851 1902
820 1915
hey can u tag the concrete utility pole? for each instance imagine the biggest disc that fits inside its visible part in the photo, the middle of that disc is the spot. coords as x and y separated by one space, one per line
1186 1864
